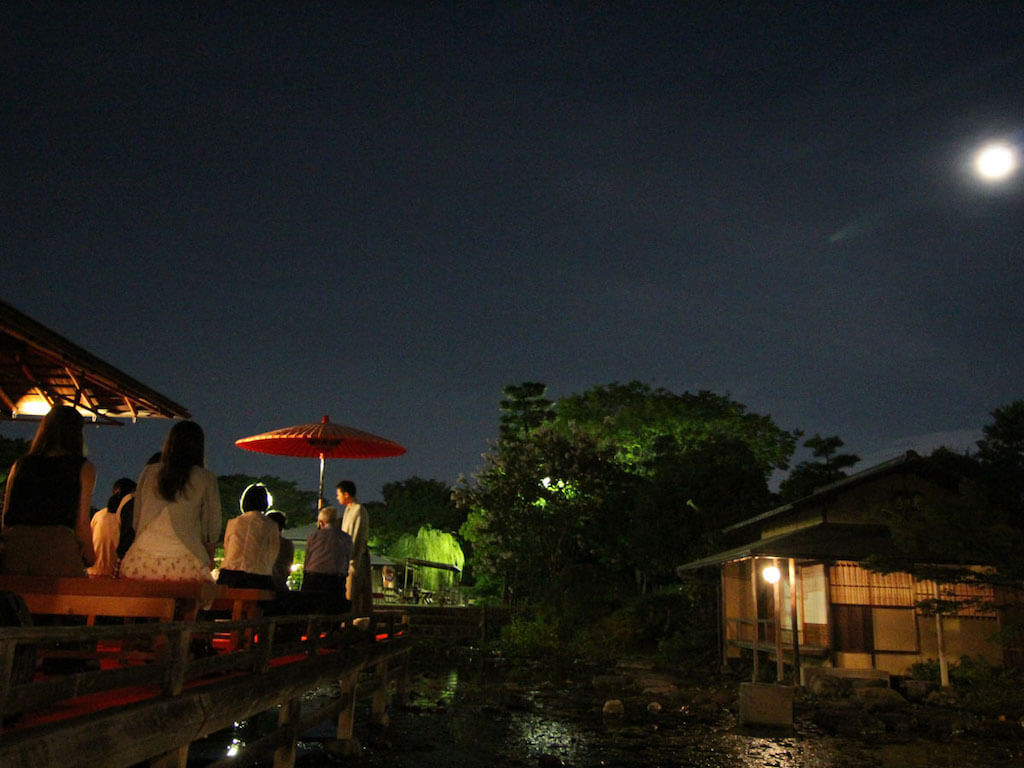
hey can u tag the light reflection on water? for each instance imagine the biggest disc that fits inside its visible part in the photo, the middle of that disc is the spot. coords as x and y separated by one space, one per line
463 718
540 734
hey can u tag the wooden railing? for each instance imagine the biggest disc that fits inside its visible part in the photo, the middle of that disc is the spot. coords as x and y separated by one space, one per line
153 688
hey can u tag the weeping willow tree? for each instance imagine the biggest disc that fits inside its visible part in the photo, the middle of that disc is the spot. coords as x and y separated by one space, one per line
435 546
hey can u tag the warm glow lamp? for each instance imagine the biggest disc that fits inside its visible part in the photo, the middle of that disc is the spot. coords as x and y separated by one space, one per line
32 404
771 574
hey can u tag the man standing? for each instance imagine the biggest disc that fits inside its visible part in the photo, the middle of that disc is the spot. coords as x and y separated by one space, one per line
356 523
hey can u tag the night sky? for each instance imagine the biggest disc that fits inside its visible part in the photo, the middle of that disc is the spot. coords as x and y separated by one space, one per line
386 212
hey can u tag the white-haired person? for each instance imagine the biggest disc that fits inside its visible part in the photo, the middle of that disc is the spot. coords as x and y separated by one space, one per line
328 551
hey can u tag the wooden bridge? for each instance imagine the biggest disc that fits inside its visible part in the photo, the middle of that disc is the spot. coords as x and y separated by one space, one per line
152 690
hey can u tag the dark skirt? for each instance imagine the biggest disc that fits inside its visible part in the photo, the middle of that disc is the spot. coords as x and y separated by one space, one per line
244 580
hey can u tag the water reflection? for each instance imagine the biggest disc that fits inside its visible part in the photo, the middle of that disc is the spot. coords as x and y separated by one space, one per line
465 716
538 735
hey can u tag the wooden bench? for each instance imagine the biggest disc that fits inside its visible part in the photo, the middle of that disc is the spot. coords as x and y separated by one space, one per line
243 604
129 598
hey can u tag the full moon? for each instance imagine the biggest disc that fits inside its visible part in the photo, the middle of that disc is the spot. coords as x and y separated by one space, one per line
996 162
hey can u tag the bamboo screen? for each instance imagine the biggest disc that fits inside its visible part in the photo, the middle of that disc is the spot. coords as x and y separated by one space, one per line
973 599
853 585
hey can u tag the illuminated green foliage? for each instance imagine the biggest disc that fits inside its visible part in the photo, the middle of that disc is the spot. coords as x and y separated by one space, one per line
641 423
623 476
435 546
541 505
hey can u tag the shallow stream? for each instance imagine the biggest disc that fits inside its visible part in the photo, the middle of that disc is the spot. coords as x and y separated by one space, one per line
477 711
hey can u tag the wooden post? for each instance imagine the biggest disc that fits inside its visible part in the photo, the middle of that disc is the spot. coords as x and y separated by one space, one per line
379 701
176 758
288 722
177 660
347 709
265 647
312 637
780 664
7 648
829 613
794 620
940 639
757 625
402 683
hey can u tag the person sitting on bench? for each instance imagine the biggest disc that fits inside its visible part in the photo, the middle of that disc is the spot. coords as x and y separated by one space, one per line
251 542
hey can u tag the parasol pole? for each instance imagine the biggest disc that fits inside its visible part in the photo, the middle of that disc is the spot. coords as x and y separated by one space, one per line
320 492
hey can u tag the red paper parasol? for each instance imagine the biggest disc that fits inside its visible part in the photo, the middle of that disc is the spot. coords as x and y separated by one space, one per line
324 441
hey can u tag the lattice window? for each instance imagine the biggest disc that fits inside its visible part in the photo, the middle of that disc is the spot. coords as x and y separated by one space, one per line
853 585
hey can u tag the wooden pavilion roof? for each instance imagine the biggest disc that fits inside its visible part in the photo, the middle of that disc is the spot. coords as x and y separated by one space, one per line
35 361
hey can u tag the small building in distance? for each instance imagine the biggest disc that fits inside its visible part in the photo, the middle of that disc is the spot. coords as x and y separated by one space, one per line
843 615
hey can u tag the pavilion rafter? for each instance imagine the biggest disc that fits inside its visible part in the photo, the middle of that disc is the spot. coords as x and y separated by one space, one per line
38 364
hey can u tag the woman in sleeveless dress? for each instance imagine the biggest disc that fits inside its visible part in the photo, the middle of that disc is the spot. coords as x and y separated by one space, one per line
46 528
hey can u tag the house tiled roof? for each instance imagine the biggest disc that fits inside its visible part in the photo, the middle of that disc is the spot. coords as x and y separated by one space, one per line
900 463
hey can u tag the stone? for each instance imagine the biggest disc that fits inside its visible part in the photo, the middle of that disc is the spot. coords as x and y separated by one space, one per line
610 681
766 704
830 687
918 690
847 719
942 697
344 747
656 686
613 708
881 699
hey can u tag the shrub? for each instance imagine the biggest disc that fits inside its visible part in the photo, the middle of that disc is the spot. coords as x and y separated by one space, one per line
982 687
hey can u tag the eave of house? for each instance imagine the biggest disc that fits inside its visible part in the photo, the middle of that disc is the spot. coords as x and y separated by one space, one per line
826 542
821 497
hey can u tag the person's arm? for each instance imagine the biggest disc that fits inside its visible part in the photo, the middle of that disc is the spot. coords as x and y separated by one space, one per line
7 489
211 516
360 532
274 546
83 528
127 534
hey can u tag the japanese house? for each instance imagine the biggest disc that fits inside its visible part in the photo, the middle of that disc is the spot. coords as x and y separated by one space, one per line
845 615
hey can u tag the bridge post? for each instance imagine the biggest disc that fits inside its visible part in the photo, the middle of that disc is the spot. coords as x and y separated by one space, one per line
379 702
176 758
347 708
288 722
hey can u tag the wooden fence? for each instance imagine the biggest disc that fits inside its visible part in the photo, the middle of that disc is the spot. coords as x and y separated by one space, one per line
151 689
451 623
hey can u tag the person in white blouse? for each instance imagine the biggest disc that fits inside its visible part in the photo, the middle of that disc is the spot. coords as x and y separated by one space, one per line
251 543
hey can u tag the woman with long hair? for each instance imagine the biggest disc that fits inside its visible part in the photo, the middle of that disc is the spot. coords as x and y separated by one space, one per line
46 528
177 513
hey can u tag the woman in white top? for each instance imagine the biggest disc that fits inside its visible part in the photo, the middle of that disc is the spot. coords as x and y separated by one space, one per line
251 542
177 513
